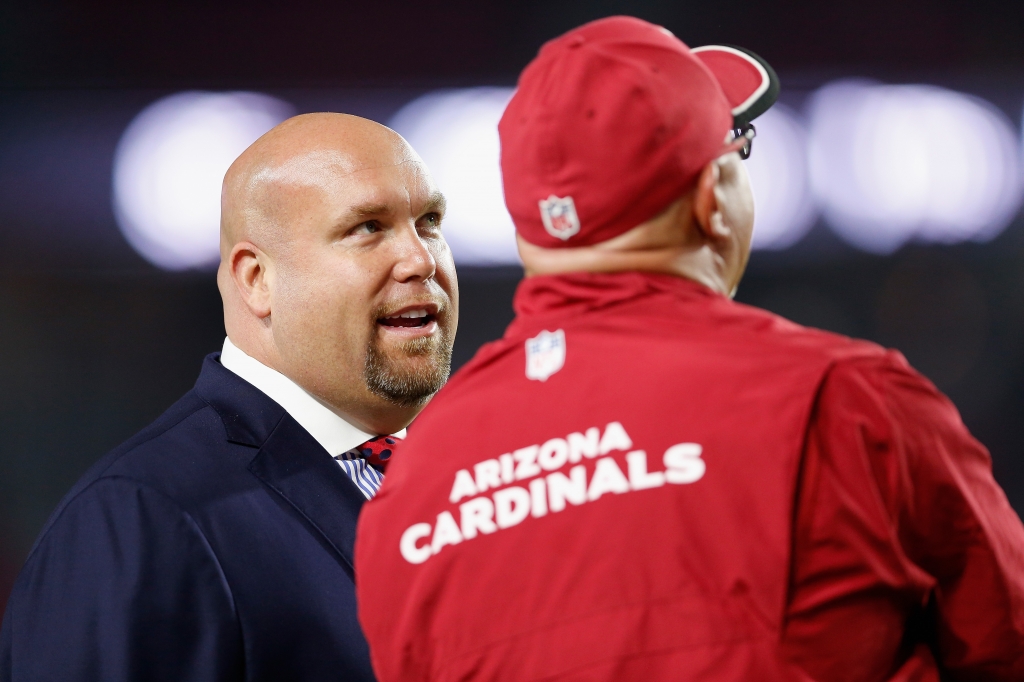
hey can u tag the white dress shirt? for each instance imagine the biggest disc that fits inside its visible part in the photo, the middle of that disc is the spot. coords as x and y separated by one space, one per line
339 438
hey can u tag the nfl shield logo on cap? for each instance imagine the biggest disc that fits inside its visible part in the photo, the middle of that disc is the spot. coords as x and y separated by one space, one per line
559 217
545 354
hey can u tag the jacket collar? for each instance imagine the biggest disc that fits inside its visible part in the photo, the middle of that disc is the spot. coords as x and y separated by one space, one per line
335 434
249 415
289 460
563 296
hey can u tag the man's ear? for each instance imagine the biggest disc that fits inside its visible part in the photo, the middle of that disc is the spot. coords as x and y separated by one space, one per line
705 203
248 268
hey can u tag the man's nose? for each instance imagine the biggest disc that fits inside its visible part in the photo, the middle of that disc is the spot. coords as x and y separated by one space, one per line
415 261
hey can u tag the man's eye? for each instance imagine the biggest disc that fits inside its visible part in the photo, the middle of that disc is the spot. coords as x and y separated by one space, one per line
369 227
431 220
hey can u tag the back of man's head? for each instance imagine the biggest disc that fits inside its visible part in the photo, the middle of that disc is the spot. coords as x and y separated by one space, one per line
617 124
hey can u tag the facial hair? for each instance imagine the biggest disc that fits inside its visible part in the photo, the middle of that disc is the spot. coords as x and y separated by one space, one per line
387 376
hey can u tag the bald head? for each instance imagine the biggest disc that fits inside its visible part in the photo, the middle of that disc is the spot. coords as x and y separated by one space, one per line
304 154
330 231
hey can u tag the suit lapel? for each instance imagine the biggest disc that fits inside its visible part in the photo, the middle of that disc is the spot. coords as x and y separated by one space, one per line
298 469
289 461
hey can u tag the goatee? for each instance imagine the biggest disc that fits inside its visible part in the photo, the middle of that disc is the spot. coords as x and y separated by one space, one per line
388 376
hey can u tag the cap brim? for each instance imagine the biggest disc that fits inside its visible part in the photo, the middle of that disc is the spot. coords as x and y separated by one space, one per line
749 83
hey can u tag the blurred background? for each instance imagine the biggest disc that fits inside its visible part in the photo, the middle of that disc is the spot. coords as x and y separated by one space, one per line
889 184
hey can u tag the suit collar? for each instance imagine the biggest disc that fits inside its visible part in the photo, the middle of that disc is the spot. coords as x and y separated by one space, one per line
289 461
330 430
248 414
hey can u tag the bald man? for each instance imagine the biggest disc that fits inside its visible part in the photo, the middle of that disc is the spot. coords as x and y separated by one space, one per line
217 543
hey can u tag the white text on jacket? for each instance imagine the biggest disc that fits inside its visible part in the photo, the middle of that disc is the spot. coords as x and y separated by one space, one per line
540 495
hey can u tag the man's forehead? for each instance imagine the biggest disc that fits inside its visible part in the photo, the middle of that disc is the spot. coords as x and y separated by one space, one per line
392 190
331 164
338 172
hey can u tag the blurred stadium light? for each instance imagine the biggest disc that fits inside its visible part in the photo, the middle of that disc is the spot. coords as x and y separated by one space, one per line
169 166
456 134
784 208
891 163
884 164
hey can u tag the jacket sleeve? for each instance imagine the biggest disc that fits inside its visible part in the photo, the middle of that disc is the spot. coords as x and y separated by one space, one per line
957 525
902 534
122 586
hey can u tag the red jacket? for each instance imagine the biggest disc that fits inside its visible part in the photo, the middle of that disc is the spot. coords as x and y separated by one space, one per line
687 489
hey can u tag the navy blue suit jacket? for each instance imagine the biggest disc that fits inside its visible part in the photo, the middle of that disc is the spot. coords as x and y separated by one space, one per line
214 545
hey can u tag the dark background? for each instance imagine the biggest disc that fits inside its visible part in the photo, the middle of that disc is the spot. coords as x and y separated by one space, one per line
94 342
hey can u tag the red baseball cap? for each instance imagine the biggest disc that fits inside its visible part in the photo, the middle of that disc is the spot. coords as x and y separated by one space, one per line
613 121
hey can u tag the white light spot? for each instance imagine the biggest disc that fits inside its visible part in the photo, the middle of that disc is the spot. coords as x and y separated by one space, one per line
456 134
169 167
891 163
784 209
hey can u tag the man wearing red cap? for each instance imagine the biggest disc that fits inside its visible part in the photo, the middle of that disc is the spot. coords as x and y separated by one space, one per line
644 480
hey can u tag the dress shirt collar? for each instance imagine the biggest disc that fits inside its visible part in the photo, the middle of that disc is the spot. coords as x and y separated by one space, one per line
335 434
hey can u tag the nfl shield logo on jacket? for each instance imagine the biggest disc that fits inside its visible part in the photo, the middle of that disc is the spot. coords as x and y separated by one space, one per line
545 354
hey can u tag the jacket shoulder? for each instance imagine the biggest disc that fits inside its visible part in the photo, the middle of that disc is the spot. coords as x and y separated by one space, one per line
160 455
127 458
779 332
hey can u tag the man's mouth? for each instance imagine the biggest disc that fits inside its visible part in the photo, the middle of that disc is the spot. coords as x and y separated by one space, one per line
410 318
